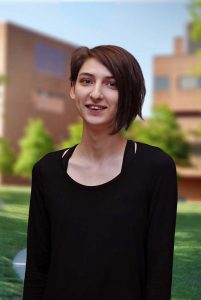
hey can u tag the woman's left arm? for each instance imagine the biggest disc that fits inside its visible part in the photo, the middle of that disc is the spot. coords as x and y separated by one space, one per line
161 231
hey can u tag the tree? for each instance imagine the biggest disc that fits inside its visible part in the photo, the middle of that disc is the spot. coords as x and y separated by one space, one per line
35 143
161 130
199 130
74 135
7 157
195 12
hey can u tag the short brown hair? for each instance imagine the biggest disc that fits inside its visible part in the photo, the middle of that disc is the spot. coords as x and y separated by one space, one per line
127 73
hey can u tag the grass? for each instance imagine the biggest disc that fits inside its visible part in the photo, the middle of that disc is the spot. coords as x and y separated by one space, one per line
187 255
13 226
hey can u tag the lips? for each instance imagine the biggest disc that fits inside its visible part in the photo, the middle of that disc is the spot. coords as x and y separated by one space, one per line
95 106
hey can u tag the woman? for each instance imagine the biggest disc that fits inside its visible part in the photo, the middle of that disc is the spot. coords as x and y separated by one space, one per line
103 212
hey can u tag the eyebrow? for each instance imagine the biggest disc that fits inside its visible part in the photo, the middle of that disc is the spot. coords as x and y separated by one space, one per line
91 75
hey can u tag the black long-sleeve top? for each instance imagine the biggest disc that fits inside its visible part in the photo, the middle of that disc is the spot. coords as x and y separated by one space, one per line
112 241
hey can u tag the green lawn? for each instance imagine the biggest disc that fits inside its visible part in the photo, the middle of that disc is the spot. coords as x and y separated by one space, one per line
187 258
13 223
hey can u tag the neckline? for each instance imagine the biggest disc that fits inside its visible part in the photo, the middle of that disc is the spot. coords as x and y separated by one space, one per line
129 154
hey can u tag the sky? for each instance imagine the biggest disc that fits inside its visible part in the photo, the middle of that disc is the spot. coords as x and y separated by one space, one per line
145 28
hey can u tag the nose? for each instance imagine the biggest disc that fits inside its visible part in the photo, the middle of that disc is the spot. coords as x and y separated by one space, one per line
96 92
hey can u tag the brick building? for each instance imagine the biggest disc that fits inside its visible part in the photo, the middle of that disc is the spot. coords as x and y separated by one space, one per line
177 82
37 68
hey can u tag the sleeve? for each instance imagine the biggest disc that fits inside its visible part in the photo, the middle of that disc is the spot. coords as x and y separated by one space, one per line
38 241
161 232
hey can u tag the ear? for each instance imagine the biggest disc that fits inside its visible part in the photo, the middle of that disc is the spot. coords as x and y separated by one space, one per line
72 91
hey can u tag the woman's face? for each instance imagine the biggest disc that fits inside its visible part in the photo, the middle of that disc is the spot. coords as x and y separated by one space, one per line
95 85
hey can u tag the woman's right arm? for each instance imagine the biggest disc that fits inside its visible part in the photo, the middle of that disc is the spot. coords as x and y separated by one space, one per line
38 241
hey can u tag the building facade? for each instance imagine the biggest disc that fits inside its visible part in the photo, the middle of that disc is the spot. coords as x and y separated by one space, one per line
177 82
37 70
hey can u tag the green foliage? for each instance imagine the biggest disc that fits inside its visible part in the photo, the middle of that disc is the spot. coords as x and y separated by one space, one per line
35 143
199 130
74 135
195 12
3 79
161 130
7 157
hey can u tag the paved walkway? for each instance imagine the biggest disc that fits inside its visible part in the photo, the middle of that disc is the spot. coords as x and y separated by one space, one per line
19 263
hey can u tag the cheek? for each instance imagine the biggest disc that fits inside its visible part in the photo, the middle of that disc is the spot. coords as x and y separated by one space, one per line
111 95
81 94
116 98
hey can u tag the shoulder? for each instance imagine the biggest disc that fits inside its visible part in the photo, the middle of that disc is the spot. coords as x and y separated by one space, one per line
49 160
155 158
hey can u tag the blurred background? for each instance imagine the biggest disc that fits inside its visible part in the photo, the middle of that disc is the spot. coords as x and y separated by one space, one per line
37 115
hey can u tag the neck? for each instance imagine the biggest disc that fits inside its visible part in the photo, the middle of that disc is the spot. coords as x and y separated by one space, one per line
99 145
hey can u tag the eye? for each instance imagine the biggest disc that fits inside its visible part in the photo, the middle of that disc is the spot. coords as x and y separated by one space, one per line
85 81
111 84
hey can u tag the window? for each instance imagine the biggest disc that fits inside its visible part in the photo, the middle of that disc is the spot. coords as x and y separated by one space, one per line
48 95
189 82
49 101
42 95
50 60
161 83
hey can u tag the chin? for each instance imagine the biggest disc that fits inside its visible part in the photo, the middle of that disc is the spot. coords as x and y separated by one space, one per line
105 126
